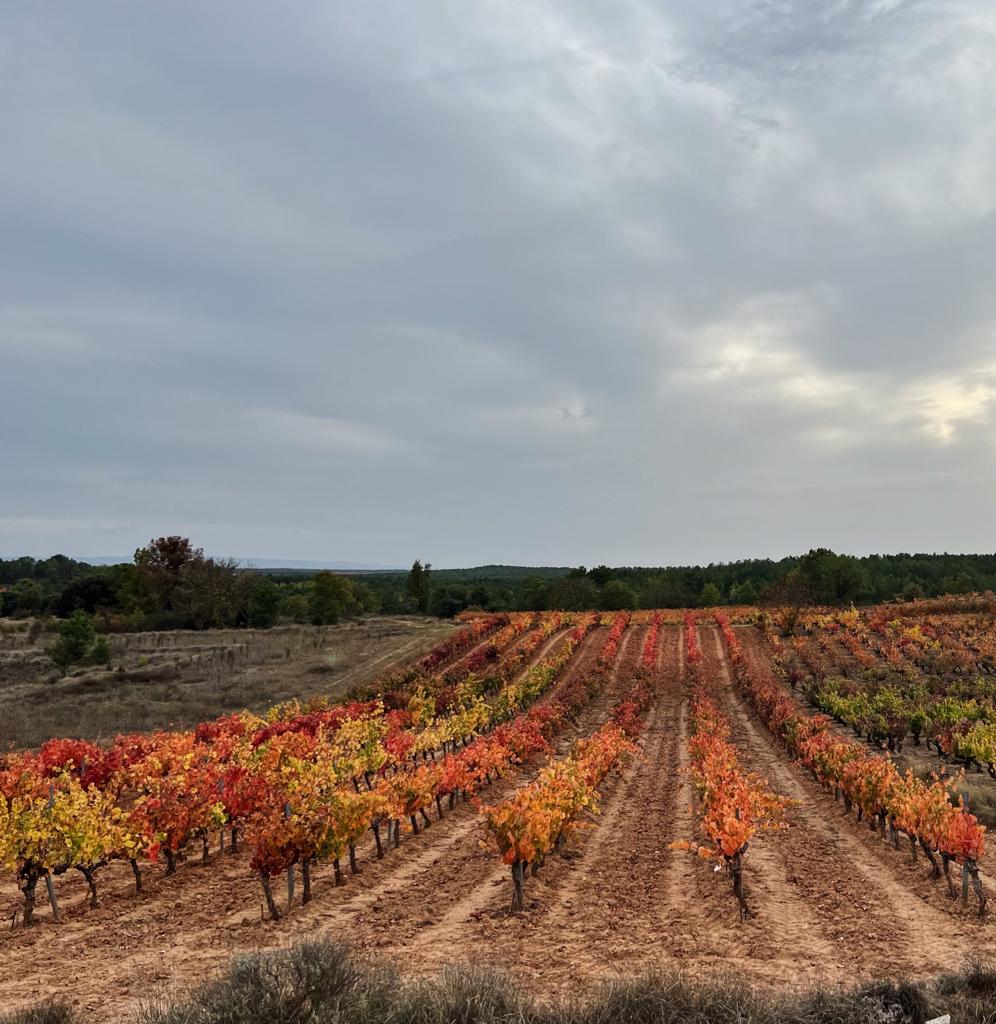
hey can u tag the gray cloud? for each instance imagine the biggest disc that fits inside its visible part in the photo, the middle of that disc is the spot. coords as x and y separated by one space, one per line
538 283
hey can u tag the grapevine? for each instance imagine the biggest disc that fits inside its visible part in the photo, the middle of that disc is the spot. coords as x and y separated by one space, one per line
868 784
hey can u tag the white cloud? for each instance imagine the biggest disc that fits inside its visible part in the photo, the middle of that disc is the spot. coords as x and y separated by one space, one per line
940 406
759 357
759 354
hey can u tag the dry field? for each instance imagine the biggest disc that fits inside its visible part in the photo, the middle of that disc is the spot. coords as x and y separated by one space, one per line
175 679
833 901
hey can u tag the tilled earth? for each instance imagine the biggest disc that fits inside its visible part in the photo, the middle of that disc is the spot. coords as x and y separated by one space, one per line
833 902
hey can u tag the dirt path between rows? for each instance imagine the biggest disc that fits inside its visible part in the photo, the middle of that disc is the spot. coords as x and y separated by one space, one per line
479 918
184 929
420 914
833 902
880 915
626 900
604 908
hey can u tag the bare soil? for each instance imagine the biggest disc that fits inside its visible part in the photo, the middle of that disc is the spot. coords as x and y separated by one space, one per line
832 901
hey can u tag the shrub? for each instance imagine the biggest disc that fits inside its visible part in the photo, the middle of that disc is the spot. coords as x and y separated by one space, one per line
48 1013
100 653
78 642
313 983
321 983
76 639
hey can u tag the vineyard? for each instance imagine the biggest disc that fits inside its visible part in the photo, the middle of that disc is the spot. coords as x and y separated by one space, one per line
895 679
566 794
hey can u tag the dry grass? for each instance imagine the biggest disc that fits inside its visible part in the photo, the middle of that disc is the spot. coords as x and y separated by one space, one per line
176 679
321 983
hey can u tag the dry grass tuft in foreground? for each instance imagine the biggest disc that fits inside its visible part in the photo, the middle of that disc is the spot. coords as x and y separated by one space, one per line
322 983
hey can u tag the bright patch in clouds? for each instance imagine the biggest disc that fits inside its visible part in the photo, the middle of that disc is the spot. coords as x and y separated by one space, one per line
942 405
759 356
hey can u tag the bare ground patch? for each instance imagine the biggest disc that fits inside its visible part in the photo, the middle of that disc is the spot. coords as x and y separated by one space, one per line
173 680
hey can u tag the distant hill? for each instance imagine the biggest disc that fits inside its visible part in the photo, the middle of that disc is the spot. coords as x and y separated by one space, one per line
284 563
502 572
270 563
484 572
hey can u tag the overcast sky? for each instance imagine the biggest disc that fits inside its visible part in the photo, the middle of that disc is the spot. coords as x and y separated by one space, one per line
545 283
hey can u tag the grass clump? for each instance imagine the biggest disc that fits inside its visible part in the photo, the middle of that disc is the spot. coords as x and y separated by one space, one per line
321 982
47 1013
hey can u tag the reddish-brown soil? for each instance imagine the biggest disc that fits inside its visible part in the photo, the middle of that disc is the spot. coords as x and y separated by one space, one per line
184 928
832 901
851 896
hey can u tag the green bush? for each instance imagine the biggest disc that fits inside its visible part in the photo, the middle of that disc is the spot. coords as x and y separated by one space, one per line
78 643
100 653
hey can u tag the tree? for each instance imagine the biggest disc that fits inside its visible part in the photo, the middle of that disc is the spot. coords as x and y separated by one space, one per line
600 575
572 594
168 554
88 593
789 596
962 583
743 593
394 602
213 593
532 594
365 598
662 591
330 598
264 603
833 578
419 588
100 653
710 596
175 586
296 608
28 595
616 596
157 585
449 600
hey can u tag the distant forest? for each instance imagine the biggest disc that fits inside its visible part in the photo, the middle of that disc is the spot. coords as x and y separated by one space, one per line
818 577
173 585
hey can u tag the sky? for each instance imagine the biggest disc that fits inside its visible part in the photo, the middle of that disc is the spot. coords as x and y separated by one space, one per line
545 283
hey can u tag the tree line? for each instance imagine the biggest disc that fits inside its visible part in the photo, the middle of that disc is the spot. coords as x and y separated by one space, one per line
170 584
820 576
